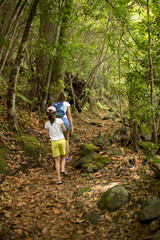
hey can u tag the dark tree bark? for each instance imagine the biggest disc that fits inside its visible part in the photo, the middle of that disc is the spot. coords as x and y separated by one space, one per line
7 28
59 64
12 85
49 33
12 37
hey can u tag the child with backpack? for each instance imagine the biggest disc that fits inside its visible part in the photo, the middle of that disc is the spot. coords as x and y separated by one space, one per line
64 112
55 130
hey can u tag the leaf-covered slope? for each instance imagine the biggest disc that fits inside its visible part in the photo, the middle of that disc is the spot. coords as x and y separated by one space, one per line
33 207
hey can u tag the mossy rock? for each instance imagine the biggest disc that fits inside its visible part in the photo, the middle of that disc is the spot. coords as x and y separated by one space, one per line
83 190
104 160
87 159
113 199
116 152
110 136
84 160
124 130
92 168
86 149
3 164
85 166
99 164
101 140
31 146
95 156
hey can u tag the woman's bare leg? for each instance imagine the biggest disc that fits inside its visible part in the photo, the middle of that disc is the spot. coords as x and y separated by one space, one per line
67 143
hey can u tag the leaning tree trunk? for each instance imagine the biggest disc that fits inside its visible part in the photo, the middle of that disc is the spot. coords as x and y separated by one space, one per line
12 38
12 85
10 21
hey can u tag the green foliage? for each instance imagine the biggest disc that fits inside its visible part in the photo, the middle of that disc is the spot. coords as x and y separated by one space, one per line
3 164
155 160
83 190
26 100
115 32
102 106
150 148
4 83
3 41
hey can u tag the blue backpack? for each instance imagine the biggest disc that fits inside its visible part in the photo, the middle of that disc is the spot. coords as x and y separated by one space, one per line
60 109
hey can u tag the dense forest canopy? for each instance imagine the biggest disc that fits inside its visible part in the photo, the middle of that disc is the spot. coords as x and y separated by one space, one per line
94 50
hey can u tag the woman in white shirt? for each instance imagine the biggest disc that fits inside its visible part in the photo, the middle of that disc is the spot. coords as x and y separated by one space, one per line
67 119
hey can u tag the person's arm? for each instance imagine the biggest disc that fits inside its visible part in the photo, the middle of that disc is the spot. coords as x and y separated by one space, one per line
69 115
47 136
63 129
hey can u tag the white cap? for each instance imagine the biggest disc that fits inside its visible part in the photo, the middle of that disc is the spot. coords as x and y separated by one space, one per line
51 109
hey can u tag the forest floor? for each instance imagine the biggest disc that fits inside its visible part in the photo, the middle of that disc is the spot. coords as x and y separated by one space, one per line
33 207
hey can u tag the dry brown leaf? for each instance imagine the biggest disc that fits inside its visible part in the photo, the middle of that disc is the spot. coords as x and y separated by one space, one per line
18 231
136 177
21 204
8 214
37 212
80 231
79 220
108 217
56 211
45 230
80 214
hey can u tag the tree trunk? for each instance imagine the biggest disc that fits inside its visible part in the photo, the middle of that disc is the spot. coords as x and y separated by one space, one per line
59 64
12 38
154 133
133 123
72 90
11 95
45 98
49 34
7 28
119 75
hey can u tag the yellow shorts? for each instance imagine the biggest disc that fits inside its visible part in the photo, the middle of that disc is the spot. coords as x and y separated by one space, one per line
58 147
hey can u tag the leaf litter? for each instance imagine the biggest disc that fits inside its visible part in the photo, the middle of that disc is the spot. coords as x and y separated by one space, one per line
33 207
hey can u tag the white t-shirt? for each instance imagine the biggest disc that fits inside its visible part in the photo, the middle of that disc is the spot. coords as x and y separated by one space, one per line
55 130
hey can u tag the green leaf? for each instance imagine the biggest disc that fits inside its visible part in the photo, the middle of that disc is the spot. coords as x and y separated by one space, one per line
23 97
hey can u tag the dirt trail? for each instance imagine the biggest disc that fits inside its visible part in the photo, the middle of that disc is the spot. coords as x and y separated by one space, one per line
34 207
